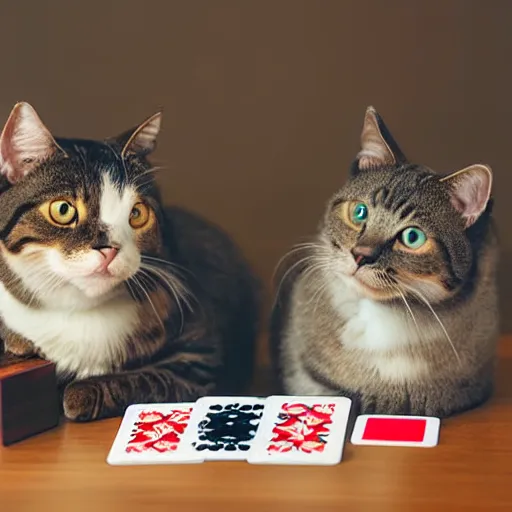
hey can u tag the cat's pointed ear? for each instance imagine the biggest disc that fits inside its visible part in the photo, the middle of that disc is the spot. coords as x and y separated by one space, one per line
24 143
470 190
142 139
378 148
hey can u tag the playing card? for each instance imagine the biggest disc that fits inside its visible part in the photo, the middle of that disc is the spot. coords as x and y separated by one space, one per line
223 428
386 430
153 434
301 430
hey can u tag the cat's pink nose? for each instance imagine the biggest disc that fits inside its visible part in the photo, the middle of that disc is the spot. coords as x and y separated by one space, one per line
364 254
109 253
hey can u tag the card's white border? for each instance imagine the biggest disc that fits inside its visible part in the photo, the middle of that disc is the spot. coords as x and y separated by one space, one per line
259 454
430 439
118 457
200 409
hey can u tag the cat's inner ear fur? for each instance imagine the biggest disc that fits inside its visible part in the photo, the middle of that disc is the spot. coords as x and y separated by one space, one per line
142 139
470 190
24 143
378 148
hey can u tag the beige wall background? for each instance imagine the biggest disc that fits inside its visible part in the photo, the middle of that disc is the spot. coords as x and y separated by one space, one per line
264 99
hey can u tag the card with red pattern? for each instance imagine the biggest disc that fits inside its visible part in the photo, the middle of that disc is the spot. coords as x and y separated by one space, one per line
152 434
301 430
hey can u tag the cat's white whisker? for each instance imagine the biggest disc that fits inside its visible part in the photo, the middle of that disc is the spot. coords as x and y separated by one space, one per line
316 303
409 309
177 289
45 278
140 284
175 283
123 163
315 299
287 273
312 272
284 258
148 171
436 316
296 248
136 181
81 156
318 265
116 155
177 268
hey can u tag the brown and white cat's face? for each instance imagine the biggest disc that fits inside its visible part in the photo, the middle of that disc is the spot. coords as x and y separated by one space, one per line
397 228
77 215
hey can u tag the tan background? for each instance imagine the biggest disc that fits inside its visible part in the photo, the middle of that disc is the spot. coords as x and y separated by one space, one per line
264 99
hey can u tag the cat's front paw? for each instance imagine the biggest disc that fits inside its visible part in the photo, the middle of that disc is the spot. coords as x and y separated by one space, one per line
21 347
80 400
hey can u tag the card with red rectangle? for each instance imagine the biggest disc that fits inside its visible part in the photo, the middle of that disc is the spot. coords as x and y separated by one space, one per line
303 430
389 430
153 434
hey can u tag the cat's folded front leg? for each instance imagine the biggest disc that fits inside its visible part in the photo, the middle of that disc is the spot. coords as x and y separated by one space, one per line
108 396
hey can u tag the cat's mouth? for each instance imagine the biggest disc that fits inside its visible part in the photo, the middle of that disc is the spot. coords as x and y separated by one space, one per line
102 272
98 284
378 291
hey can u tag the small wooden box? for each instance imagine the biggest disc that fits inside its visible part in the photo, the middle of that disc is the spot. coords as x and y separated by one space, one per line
29 400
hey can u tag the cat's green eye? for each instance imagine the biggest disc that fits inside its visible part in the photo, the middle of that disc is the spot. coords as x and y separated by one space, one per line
413 238
359 213
62 212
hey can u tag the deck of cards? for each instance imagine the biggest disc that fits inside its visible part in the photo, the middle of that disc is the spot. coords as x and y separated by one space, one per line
302 430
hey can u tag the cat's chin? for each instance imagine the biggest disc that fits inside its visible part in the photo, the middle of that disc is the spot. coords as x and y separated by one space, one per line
371 292
94 287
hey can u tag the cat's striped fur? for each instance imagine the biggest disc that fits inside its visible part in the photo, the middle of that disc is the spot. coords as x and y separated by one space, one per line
130 312
399 329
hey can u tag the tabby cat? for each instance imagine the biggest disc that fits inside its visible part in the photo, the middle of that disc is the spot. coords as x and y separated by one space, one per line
394 302
132 302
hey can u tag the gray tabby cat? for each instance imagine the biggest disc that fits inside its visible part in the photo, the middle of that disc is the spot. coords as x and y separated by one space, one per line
394 303
133 302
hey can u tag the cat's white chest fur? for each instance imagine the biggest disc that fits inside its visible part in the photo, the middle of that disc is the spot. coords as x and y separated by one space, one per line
85 342
378 330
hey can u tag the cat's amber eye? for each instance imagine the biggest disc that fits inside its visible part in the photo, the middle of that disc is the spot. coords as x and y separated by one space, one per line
62 212
139 215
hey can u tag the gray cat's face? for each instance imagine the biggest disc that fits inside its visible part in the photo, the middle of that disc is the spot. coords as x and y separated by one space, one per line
76 215
397 228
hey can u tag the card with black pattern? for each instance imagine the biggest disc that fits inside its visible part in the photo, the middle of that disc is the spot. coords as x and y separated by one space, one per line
223 428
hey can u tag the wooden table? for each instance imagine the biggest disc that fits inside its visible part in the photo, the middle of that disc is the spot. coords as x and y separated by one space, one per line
471 470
